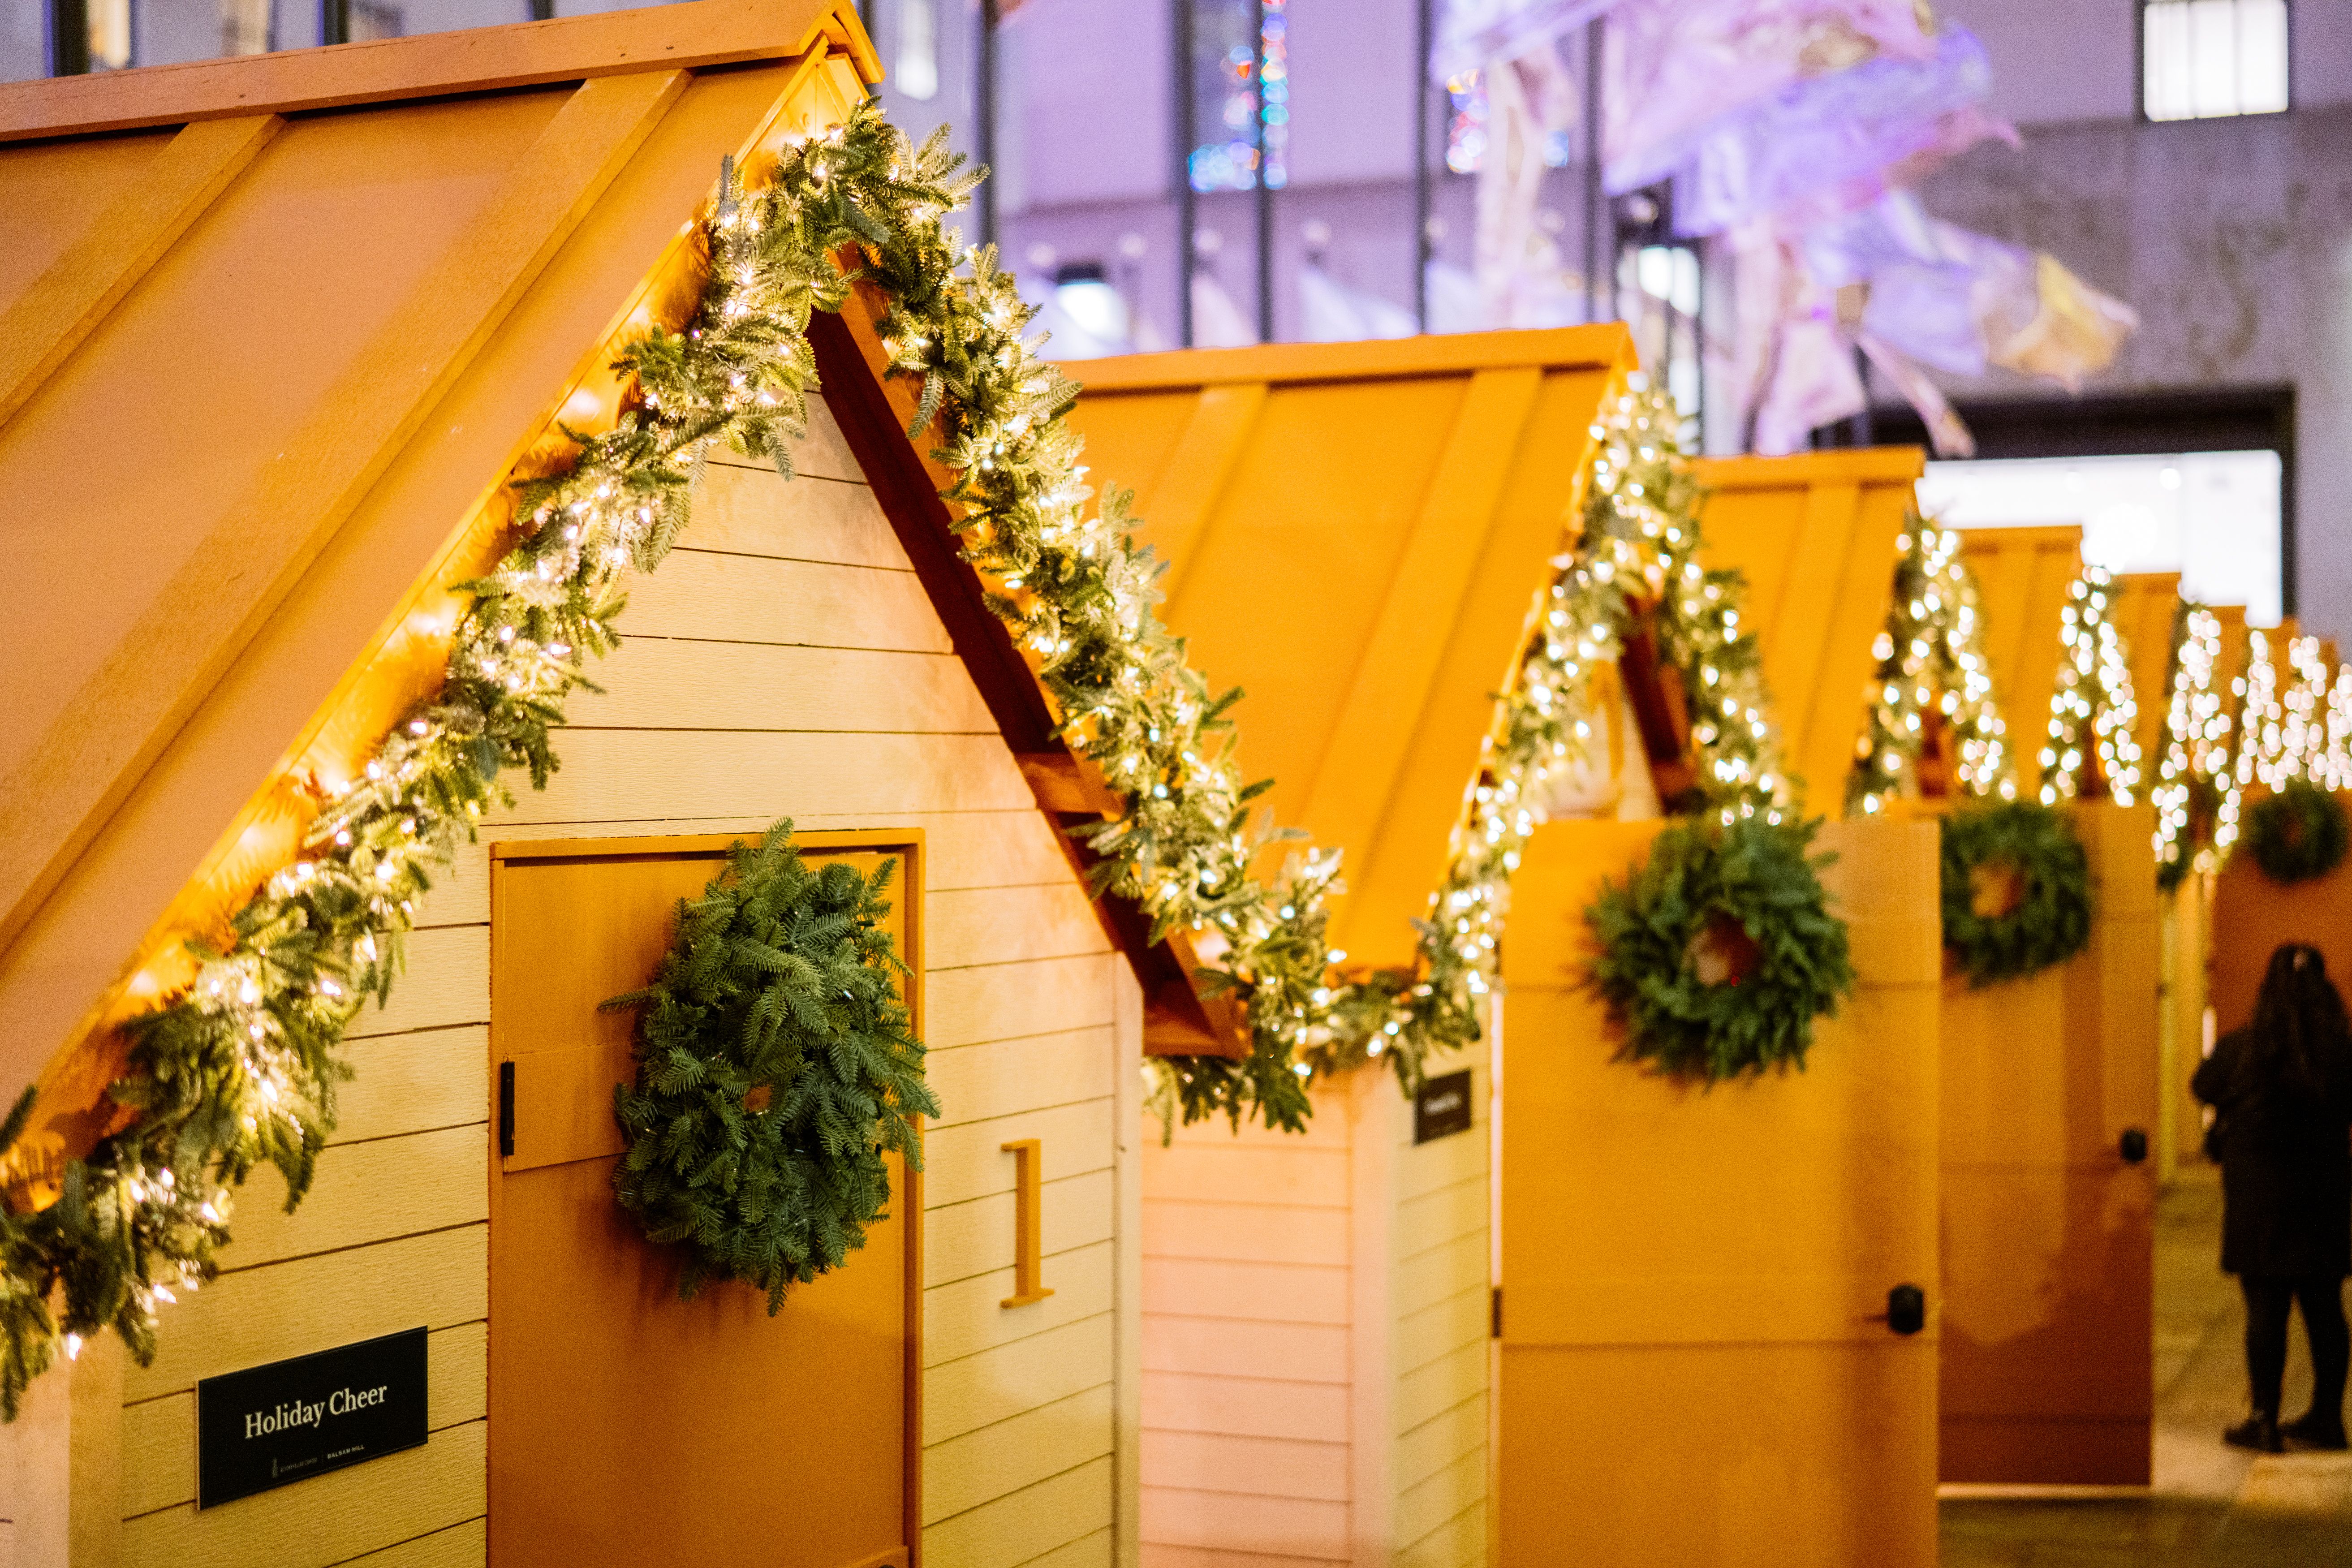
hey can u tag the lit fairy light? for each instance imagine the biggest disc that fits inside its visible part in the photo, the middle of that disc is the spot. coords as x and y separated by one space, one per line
2197 794
2090 746
1932 670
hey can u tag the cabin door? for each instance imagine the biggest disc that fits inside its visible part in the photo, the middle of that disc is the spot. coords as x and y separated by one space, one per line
1698 1366
2050 1116
628 1426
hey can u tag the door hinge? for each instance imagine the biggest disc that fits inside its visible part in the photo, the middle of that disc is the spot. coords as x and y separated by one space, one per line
506 1110
1494 1330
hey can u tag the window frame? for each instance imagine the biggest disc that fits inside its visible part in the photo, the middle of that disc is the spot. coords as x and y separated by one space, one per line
2140 70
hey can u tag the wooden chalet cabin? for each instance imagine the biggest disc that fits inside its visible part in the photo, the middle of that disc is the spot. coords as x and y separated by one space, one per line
1695 1354
2048 1111
1358 534
274 333
2250 914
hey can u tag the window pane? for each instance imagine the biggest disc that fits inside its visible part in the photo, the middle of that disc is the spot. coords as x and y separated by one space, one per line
918 48
1224 95
24 40
2207 58
2165 88
110 34
2213 55
2262 56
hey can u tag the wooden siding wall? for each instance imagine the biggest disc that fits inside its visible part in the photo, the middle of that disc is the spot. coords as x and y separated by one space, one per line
1315 1339
783 660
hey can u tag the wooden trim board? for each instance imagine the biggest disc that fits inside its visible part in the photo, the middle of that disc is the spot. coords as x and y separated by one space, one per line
690 37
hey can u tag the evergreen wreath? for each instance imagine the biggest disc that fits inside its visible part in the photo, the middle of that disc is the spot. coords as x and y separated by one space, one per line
775 1066
2016 890
1719 952
1634 547
240 1067
2297 833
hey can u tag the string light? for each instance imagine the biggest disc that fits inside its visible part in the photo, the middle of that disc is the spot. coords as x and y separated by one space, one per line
2197 791
2092 709
1932 670
1635 552
2300 728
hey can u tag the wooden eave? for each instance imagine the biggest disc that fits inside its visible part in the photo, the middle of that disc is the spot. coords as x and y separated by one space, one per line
2145 607
277 366
1358 536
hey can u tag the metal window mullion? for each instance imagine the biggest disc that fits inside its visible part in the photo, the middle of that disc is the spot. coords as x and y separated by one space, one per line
1186 135
1262 205
1424 23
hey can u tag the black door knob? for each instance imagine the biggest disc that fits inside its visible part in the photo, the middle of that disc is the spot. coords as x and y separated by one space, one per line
1906 1309
2134 1146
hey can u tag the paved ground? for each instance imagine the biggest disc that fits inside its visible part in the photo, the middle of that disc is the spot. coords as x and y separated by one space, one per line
2212 1506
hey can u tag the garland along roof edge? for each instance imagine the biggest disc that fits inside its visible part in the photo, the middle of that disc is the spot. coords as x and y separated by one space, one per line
240 1067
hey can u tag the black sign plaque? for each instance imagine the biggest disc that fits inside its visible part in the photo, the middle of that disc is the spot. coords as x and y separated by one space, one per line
269 1425
1442 1108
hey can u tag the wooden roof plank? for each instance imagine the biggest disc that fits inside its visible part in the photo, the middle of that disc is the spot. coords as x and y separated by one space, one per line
2023 574
1797 639
95 751
2147 601
689 36
67 302
1379 714
1815 534
1197 471
1841 703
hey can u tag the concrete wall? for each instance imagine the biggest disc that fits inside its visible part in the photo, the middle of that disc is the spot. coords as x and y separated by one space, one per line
2233 240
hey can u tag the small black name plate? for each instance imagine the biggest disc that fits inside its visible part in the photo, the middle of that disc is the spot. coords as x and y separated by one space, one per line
1443 1106
268 1425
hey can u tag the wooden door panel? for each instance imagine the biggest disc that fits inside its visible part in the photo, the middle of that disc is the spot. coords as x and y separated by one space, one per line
1720 1457
1775 1208
627 1426
1689 1370
2054 1268
2048 1231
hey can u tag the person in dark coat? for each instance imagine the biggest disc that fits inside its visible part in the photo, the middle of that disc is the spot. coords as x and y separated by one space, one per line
2281 1089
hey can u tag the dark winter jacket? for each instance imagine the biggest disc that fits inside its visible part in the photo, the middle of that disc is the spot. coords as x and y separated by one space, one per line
2286 1170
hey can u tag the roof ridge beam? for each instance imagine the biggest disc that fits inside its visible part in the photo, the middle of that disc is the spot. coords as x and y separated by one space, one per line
691 36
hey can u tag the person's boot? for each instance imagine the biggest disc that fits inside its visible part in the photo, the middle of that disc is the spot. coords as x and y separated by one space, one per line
2316 1431
2259 1432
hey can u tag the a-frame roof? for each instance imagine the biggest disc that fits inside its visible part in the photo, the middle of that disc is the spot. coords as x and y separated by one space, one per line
1816 535
1357 535
274 334
2142 609
2022 576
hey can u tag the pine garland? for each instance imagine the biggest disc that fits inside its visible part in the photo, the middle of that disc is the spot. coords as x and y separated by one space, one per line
2091 710
1930 658
776 1066
240 1067
1718 952
2197 794
2016 890
1634 552
2297 835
